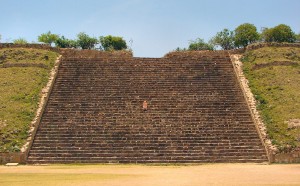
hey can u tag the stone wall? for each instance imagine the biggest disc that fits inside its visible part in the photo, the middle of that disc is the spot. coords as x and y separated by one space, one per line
261 129
237 51
42 104
274 155
292 157
12 157
196 112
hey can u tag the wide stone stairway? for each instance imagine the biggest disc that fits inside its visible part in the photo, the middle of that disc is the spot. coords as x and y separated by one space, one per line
195 112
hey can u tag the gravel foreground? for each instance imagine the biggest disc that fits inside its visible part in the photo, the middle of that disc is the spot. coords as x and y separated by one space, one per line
157 175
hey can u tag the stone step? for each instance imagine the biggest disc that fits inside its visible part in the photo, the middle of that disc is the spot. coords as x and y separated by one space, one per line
207 159
119 153
144 133
196 114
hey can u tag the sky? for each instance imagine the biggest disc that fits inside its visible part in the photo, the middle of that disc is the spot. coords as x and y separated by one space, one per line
151 28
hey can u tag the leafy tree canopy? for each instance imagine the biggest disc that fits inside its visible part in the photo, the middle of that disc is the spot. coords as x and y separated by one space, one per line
199 44
85 41
224 39
48 38
280 33
63 42
113 43
245 34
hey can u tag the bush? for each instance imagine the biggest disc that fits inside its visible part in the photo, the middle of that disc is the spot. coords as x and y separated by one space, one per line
48 38
199 44
85 41
224 39
63 42
112 43
20 41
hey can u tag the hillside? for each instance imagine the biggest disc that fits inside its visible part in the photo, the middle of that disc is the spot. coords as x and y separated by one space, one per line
274 76
23 74
273 73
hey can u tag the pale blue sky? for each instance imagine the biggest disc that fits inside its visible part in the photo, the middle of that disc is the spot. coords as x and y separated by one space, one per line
155 26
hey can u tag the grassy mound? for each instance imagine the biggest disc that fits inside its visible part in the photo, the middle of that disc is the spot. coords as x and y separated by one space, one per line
274 78
23 74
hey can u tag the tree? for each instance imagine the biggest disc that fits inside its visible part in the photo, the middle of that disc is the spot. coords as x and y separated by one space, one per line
224 39
199 44
280 33
21 41
63 42
48 38
85 41
298 37
0 38
266 35
112 43
245 34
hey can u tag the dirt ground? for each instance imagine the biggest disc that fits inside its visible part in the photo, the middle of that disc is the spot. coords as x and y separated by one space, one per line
144 175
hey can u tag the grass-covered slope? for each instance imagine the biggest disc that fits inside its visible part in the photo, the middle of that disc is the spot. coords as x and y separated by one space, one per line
23 74
274 78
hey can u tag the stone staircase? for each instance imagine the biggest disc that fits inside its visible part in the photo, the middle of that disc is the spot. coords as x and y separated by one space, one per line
196 112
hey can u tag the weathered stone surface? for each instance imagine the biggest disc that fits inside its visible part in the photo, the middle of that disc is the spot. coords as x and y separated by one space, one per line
292 157
238 65
12 157
196 112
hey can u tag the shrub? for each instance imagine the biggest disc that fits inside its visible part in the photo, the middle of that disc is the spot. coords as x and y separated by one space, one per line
48 38
20 41
63 42
85 41
112 43
224 39
199 44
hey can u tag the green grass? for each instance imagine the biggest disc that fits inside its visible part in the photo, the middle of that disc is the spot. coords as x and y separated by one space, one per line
20 91
276 88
